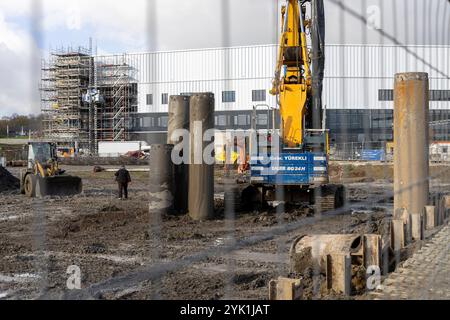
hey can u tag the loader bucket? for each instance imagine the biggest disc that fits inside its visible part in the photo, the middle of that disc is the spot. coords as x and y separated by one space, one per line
62 185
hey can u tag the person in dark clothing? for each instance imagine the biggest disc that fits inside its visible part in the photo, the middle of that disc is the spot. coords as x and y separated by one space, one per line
123 178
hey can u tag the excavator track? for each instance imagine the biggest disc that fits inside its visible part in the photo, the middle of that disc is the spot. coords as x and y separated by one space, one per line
233 198
326 203
324 198
329 197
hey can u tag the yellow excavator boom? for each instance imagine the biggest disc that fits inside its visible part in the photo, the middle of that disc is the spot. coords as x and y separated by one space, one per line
292 81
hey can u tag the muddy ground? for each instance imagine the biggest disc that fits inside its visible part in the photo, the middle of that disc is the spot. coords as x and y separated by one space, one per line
106 238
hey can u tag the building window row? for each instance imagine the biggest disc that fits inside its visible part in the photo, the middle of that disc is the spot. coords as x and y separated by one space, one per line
165 98
227 97
258 95
233 119
435 95
360 119
149 99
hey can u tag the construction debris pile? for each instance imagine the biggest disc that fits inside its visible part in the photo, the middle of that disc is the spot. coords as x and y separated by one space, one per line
136 155
7 181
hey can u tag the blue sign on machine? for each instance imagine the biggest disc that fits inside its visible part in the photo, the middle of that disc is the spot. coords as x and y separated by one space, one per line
373 155
289 169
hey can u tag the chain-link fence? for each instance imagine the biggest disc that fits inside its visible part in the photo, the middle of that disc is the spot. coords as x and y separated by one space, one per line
94 245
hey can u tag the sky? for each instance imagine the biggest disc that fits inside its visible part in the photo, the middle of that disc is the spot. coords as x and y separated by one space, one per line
29 29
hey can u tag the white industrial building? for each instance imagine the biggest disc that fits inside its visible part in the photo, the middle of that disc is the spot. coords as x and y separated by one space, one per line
357 87
368 42
353 74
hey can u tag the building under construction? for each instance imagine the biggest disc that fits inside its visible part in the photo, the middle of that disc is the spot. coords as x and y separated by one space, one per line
87 98
129 93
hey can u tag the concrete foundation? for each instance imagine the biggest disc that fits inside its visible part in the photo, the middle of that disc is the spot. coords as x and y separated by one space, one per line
339 273
397 235
445 209
417 227
318 247
372 250
403 215
285 289
411 167
430 217
336 255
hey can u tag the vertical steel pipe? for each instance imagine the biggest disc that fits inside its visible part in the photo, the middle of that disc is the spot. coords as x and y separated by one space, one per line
201 174
179 119
411 167
161 179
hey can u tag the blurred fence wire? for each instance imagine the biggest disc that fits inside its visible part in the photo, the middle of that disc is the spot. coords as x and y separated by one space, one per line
420 29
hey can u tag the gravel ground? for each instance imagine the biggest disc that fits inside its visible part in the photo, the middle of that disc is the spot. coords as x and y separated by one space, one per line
107 238
424 276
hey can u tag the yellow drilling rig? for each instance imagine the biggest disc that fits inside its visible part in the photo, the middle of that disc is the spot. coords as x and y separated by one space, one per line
300 165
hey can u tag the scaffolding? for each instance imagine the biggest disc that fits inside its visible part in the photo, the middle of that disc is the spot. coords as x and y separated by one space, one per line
65 76
87 99
118 88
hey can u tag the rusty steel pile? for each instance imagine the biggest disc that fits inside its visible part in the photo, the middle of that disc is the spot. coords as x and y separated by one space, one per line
186 187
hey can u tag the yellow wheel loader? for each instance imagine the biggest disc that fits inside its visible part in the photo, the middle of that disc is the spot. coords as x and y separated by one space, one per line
43 177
